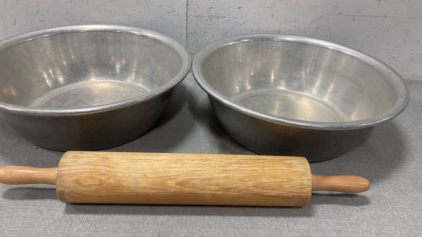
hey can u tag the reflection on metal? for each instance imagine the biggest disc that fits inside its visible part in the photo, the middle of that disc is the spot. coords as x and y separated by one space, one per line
291 95
88 87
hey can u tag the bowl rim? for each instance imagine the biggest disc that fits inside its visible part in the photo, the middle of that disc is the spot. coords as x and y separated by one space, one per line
389 73
181 51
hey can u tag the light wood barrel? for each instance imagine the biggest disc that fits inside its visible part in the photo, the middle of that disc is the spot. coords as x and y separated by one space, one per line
194 179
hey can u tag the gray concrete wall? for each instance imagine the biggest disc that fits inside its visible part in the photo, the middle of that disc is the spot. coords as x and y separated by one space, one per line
386 29
167 17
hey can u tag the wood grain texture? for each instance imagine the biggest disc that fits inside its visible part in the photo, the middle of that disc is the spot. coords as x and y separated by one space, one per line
194 179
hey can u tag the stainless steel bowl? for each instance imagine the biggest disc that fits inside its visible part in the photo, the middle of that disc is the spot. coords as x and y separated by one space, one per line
291 95
87 87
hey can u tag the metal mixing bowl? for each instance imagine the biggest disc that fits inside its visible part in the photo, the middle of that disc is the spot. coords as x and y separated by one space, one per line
87 87
291 95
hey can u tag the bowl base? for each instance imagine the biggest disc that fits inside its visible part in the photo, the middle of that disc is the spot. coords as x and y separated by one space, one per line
90 93
288 104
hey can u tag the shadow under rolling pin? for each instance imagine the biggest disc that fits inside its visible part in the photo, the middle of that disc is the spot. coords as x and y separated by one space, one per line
182 179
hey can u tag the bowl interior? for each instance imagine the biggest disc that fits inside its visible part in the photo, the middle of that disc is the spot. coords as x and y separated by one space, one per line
84 69
297 80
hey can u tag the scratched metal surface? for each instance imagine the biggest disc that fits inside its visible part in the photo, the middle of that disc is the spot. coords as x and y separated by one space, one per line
389 158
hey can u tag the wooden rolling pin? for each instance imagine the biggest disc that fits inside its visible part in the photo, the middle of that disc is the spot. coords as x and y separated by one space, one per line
193 179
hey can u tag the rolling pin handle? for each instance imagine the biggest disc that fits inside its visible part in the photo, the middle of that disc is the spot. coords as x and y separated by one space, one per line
340 183
27 175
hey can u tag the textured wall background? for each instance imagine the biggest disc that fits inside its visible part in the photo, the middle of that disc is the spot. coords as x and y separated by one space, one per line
167 17
389 30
